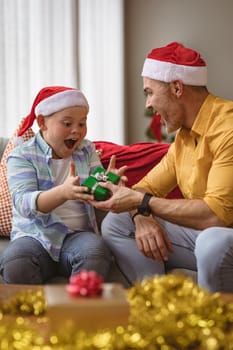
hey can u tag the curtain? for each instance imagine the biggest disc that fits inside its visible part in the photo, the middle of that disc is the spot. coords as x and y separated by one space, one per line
63 42
38 41
101 66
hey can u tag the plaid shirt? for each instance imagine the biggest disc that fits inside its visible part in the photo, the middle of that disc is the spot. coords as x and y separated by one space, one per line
29 173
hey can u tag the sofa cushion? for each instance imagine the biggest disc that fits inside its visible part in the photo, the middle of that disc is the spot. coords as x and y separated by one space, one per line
5 198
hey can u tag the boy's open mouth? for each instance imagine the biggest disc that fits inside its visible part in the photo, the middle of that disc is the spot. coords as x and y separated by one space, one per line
70 143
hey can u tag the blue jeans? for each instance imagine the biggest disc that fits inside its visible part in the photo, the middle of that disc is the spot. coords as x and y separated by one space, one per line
25 261
210 252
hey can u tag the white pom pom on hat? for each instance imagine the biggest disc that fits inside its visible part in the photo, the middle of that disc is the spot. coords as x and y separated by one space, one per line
176 62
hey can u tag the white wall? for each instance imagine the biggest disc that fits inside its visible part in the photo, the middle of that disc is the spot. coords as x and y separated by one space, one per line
205 25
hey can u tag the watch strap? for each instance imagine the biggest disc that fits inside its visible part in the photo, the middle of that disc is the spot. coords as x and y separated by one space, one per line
135 214
144 208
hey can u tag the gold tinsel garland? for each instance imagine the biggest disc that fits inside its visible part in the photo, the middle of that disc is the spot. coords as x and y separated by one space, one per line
166 313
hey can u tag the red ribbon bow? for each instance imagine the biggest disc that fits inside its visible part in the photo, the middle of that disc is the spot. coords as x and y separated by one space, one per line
86 283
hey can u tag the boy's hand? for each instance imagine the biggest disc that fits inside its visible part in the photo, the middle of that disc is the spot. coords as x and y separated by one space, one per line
112 168
73 189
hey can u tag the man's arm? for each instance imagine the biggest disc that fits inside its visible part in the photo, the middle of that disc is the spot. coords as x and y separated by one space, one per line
193 213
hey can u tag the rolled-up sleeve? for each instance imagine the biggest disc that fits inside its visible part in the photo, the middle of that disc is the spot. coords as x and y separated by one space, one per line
219 191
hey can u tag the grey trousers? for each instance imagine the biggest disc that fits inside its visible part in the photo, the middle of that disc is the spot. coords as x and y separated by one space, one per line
209 252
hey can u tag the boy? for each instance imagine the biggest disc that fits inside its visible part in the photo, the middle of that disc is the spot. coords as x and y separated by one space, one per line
54 230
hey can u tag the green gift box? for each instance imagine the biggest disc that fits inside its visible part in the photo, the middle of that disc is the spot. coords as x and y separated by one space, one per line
92 182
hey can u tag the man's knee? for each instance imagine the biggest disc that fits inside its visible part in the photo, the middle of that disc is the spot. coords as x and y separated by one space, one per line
212 245
213 240
214 253
117 224
109 223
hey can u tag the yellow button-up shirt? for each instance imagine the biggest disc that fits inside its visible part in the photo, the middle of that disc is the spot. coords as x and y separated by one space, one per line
200 161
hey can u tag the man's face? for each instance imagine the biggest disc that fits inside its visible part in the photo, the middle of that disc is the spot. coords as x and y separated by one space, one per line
161 97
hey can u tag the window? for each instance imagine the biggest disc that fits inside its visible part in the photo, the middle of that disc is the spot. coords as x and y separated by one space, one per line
63 42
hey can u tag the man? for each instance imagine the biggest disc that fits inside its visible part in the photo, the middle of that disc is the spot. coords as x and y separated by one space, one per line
153 234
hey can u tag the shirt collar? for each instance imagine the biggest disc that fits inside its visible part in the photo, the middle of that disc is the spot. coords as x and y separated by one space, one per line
202 120
45 148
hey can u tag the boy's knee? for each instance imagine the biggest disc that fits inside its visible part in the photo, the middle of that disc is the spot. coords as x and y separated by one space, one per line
23 262
95 257
20 270
100 250
91 249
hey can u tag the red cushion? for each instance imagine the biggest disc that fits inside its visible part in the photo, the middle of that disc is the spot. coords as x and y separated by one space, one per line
139 157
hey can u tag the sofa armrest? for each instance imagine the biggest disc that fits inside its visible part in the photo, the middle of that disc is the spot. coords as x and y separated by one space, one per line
3 143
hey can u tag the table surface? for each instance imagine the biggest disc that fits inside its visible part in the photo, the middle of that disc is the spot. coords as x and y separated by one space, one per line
111 308
9 290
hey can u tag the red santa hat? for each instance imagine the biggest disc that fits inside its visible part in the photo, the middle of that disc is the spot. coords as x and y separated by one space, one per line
176 62
52 99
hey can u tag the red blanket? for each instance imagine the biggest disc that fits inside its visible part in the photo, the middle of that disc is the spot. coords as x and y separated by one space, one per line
139 157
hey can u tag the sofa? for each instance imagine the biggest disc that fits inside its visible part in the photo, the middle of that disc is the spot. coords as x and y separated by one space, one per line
3 240
140 158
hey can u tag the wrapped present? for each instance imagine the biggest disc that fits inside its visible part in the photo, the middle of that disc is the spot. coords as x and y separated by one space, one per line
100 175
108 310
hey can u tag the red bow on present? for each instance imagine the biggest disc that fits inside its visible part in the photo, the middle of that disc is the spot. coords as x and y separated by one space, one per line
85 284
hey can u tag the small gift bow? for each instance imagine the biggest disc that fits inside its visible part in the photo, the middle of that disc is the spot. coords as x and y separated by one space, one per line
85 284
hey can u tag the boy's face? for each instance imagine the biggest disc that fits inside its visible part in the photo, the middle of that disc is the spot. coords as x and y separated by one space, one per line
64 130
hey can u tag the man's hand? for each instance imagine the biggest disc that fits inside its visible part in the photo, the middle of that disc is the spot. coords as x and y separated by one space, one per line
122 199
151 239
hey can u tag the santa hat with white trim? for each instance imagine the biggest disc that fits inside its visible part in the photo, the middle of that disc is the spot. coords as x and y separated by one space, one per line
176 62
52 99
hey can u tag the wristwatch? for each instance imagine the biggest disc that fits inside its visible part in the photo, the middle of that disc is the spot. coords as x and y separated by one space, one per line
144 208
